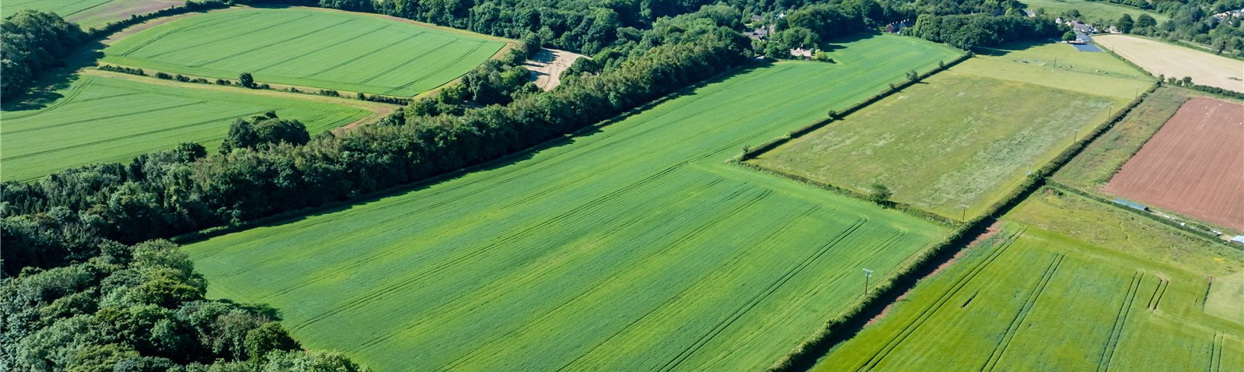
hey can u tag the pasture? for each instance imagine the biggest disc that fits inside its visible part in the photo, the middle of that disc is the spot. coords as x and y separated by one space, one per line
105 117
90 13
635 247
1031 299
308 47
1101 159
967 136
1192 165
1177 61
1092 11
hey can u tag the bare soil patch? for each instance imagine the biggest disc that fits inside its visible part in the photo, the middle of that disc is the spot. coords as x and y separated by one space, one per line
1160 58
547 67
1194 165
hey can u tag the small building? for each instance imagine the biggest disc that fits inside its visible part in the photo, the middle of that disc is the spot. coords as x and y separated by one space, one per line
897 27
1239 239
1131 204
758 34
801 52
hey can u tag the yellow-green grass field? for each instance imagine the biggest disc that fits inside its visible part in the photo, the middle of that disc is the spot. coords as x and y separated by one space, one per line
90 13
105 117
969 135
1092 11
1112 292
1093 167
308 47
636 247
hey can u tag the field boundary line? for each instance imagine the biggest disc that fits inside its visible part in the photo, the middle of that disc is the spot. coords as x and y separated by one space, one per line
1120 323
1000 349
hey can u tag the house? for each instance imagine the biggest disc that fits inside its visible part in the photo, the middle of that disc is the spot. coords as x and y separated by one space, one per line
897 27
1081 27
759 33
801 52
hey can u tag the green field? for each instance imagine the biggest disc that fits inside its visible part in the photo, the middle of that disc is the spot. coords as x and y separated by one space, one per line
637 247
969 135
308 47
90 13
1092 11
110 118
1030 299
1092 168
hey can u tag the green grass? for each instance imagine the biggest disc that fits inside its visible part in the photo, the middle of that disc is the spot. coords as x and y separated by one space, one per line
966 136
636 247
90 13
1029 300
308 47
1092 168
107 119
1092 11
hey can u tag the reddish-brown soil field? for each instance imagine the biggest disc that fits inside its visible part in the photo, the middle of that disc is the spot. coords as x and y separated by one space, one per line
1194 165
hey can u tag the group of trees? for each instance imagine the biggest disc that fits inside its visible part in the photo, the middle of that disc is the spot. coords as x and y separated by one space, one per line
1194 21
32 42
140 308
973 30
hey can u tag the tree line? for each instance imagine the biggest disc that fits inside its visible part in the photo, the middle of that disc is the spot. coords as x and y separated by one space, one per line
973 30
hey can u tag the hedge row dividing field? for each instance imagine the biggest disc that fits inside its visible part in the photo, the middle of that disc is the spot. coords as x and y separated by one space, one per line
308 47
967 136
90 13
105 117
637 247
1032 299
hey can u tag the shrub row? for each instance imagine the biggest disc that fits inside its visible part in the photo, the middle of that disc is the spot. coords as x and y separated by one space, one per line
889 288
123 69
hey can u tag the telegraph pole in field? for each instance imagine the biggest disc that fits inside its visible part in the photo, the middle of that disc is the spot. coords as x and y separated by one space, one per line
867 274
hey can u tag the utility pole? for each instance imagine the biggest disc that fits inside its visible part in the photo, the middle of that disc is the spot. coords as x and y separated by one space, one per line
867 274
964 216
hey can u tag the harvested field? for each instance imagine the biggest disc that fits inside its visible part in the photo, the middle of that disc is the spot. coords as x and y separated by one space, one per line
90 13
548 65
307 47
1177 61
1092 168
1193 165
634 248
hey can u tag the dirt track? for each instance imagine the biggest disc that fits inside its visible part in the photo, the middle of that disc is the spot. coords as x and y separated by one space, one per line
1194 165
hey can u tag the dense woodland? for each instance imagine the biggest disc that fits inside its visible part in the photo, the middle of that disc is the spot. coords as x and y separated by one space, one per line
88 285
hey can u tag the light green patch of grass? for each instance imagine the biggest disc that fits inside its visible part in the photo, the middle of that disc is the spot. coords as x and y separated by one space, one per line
1060 66
964 137
1113 227
1093 167
636 247
90 13
1092 11
1030 299
308 47
105 119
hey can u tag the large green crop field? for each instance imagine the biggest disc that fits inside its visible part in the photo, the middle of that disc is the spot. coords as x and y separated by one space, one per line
109 118
987 122
1092 11
90 13
636 247
308 47
1138 298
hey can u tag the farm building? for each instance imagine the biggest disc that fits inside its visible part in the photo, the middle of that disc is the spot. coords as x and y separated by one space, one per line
1131 204
1239 239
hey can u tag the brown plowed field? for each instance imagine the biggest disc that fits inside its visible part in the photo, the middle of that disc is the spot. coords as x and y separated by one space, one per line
1194 165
